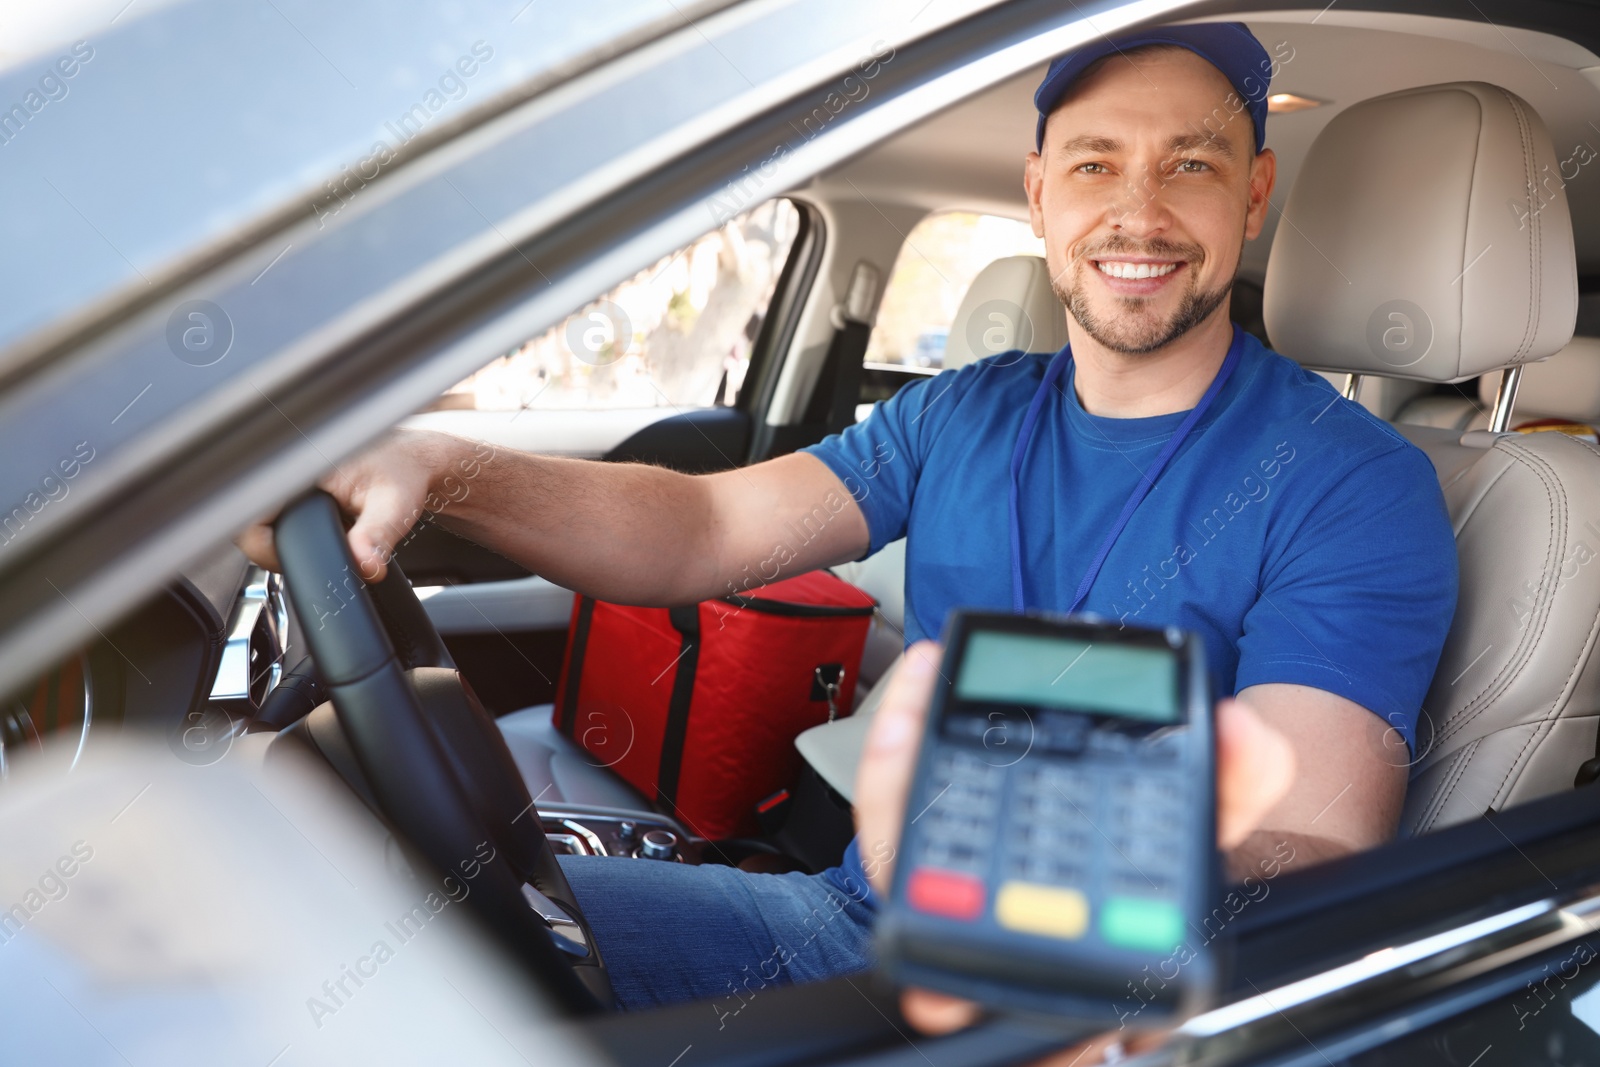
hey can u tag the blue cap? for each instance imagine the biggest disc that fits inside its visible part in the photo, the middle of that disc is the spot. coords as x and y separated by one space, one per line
1228 46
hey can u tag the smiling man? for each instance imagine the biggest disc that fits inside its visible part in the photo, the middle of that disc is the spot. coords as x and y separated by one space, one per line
1163 469
1303 538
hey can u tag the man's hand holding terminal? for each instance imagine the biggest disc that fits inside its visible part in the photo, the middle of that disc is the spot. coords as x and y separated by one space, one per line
1255 769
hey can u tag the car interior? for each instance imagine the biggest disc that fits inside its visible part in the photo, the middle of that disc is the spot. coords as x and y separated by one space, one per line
1522 730
1454 166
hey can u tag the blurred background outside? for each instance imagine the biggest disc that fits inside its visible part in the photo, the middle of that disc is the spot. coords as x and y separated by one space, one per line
679 334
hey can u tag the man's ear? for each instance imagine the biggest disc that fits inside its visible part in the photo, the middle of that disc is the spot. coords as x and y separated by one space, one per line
1263 176
1033 184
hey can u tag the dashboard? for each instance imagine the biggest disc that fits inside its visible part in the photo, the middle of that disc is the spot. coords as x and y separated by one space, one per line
154 672
58 707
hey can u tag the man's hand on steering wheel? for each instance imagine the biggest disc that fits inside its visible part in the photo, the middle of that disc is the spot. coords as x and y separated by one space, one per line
387 489
1255 768
429 755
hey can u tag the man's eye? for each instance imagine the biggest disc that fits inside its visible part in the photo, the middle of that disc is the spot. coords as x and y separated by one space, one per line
1193 166
1092 168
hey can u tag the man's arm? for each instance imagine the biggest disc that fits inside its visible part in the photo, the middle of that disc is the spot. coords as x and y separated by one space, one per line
1342 643
618 531
1350 786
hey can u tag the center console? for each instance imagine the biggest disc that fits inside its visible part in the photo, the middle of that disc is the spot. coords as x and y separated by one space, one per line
577 830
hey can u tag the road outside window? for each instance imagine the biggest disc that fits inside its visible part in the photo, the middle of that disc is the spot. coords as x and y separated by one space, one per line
676 335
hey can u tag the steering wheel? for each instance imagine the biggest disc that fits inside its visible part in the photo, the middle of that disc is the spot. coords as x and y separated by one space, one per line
432 757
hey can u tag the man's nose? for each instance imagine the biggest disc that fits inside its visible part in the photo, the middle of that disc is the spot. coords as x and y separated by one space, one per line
1139 208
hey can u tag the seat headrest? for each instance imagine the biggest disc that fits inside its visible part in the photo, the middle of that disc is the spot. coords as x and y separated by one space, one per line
1565 386
1427 236
1008 305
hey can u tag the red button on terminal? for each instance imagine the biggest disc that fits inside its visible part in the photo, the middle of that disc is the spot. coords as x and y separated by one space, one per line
945 893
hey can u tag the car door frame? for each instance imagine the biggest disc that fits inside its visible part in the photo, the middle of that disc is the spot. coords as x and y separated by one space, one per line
331 384
308 382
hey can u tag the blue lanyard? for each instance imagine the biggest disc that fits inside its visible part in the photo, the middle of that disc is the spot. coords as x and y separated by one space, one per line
1052 374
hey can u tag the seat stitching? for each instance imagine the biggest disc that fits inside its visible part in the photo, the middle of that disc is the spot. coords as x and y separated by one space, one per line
1554 712
1461 297
1530 326
1580 442
1546 722
1457 773
1426 814
1449 772
1583 657
1477 502
1513 667
1446 788
1533 463
1538 732
1468 754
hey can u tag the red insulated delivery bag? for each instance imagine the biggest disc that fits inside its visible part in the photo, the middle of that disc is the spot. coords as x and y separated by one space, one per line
698 707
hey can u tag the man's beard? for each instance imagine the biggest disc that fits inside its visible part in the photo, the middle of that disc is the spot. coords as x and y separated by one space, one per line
1135 334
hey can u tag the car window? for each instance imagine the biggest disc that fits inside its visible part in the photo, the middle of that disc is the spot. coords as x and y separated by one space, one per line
941 256
1553 1018
677 334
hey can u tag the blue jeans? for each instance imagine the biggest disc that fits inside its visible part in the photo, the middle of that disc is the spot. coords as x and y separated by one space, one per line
670 932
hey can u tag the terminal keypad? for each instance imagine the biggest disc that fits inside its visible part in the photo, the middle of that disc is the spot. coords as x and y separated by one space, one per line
1086 836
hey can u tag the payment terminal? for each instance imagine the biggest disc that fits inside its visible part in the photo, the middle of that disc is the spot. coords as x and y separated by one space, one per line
1059 849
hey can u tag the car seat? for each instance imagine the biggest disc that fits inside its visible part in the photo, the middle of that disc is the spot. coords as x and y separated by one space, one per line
1418 251
1565 387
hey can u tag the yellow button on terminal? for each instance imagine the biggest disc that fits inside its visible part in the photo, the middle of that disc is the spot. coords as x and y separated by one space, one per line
1049 910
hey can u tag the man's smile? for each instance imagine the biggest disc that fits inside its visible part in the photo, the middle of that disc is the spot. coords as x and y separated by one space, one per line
1136 275
1144 293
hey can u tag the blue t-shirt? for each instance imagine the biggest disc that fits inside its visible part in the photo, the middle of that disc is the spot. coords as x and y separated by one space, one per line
1302 537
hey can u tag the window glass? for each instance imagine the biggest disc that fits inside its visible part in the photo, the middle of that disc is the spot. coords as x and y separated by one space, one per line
941 256
677 334
1553 1017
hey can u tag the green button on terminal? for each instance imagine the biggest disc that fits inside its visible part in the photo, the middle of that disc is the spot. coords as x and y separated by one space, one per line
1130 922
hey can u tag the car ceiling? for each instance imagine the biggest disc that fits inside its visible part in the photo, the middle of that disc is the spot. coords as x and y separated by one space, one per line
970 156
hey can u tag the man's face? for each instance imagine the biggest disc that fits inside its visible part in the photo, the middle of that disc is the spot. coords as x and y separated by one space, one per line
1147 187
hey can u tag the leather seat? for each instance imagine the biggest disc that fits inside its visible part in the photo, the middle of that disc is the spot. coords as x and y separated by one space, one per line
1403 261
1009 305
558 771
1566 386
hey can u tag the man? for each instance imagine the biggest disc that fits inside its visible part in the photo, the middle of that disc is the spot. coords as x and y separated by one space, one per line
1302 538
